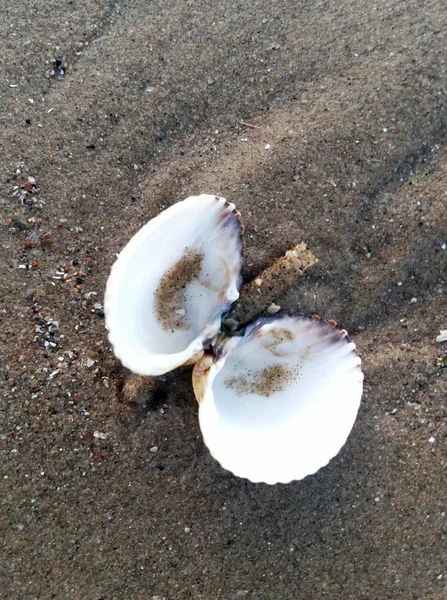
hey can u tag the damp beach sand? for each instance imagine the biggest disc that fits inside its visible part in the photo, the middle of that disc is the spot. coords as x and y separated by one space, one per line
324 123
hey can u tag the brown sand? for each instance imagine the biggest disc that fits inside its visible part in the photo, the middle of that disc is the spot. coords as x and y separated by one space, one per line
350 96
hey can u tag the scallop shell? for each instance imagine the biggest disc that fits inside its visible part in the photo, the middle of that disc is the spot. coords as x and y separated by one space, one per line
171 283
278 403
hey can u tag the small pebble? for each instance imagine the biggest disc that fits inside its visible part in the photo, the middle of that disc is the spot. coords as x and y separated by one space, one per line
99 435
154 449
273 309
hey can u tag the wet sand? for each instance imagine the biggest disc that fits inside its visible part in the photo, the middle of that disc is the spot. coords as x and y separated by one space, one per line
324 123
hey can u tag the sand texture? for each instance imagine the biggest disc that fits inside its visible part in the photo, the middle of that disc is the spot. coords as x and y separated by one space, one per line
324 122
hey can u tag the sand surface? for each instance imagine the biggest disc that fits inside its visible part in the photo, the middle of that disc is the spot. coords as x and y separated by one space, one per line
346 151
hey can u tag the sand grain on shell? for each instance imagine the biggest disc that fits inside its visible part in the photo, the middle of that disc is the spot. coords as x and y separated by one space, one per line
265 382
171 295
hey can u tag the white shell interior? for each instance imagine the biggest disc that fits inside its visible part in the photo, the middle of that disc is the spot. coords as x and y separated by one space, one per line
280 402
172 281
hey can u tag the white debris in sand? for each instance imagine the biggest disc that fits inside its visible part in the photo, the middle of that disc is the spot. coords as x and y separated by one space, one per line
442 337
273 309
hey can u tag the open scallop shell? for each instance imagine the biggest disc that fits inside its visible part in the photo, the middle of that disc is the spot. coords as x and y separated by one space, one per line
279 403
171 283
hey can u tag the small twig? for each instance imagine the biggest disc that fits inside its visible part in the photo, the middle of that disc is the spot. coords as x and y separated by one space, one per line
249 125
258 294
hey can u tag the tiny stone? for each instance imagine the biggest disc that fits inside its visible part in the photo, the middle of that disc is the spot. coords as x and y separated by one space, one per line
267 147
154 449
258 281
442 337
432 440
231 324
90 362
273 308
413 301
99 435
